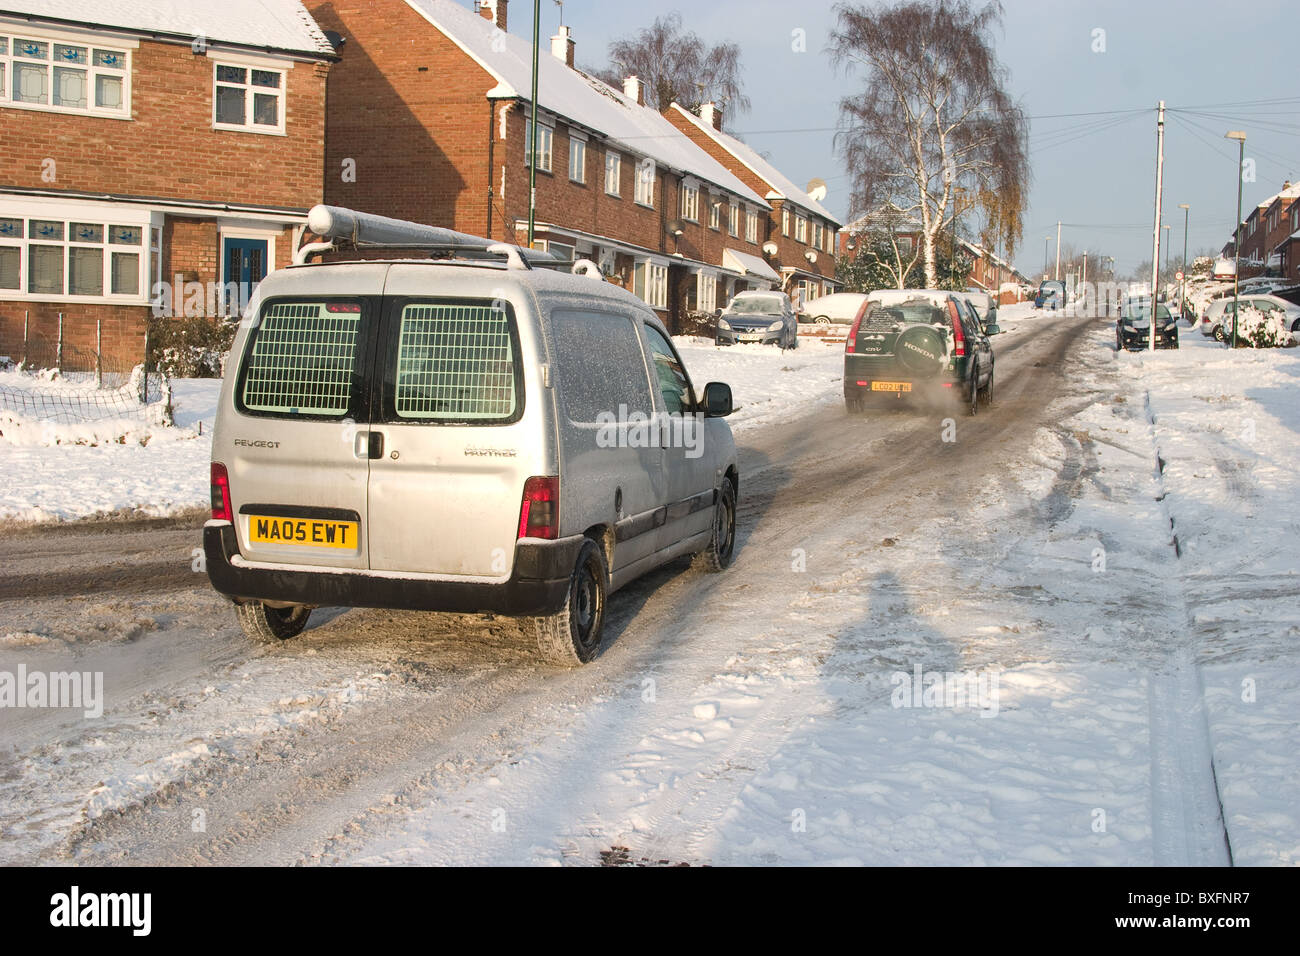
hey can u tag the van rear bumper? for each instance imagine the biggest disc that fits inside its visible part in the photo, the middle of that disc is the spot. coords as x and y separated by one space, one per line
537 586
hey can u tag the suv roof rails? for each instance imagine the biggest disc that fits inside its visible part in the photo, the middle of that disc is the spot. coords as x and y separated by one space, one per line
347 228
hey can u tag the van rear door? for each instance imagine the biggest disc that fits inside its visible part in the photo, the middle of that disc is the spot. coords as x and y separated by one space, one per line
447 485
296 445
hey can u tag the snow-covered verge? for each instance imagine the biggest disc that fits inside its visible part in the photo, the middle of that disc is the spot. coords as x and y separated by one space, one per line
59 472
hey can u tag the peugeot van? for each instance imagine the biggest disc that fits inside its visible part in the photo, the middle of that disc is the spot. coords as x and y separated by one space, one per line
471 434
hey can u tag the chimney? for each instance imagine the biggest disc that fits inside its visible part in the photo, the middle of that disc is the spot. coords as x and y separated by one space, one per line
562 46
633 91
711 113
494 10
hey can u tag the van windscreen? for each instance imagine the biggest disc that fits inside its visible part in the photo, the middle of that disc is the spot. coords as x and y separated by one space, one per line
301 359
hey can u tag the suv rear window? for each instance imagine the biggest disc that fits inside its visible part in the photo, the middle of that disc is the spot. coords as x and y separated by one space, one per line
456 362
301 359
882 318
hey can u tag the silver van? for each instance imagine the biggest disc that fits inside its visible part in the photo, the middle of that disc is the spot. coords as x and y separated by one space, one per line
472 434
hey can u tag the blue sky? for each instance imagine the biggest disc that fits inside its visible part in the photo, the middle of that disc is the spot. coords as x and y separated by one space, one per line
1095 172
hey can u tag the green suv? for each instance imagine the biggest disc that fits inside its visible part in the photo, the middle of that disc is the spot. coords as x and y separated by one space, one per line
917 342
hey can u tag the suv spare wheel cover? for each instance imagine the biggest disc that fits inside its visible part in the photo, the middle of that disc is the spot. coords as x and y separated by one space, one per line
920 350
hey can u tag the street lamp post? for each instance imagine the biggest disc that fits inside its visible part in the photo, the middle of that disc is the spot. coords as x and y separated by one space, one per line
1167 230
1182 288
1240 137
1047 240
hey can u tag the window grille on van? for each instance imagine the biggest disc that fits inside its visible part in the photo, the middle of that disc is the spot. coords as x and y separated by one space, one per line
302 359
455 363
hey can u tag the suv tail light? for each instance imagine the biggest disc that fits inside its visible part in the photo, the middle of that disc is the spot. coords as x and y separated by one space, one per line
221 493
851 343
539 516
958 334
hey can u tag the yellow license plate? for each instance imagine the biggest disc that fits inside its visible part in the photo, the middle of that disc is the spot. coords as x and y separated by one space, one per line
308 532
891 386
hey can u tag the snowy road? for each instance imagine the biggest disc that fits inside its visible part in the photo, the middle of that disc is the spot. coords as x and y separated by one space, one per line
751 717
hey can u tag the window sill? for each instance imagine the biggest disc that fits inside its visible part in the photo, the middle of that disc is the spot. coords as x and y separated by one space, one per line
12 295
613 195
267 131
644 205
121 115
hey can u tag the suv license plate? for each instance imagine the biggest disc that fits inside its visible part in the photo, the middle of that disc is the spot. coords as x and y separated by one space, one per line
891 386
308 532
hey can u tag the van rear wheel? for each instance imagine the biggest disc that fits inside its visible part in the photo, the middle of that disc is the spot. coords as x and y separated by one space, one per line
271 625
571 636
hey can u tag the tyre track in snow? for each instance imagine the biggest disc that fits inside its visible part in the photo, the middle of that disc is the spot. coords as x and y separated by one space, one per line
296 793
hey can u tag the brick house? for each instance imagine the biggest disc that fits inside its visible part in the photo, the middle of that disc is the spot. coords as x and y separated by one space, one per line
1277 220
430 109
145 142
800 229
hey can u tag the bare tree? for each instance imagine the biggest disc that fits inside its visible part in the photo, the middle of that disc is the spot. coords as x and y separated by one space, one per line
678 66
934 123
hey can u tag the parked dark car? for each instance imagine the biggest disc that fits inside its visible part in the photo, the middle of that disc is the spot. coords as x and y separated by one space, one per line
1051 295
765 317
1133 328
917 342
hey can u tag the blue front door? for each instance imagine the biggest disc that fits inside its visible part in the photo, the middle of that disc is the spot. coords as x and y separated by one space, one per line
244 262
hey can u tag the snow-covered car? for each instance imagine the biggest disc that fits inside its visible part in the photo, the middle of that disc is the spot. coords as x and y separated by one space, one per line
1218 314
765 317
839 308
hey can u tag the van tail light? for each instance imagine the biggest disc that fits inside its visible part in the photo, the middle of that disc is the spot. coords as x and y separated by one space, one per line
539 516
221 510
851 343
958 335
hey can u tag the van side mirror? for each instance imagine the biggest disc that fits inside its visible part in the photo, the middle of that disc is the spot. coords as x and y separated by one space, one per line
717 400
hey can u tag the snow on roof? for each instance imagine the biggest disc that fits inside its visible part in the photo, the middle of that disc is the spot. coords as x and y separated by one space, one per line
267 24
744 262
782 187
574 95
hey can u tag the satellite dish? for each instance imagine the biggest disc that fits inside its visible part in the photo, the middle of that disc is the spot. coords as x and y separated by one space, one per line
769 248
810 256
674 227
816 190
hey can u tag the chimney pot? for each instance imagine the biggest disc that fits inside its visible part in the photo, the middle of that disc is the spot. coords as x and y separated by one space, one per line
711 113
562 46
494 10
633 90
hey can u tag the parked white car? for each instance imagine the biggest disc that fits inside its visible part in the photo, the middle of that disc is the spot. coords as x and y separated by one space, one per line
839 308
1212 320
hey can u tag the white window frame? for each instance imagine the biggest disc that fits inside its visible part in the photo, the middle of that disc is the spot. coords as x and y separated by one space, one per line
751 225
613 173
52 38
715 213
706 293
733 220
281 93
800 229
545 143
577 149
67 214
690 204
653 277
785 222
645 185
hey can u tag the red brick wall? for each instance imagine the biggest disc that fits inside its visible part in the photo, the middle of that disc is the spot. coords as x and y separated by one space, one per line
169 148
123 328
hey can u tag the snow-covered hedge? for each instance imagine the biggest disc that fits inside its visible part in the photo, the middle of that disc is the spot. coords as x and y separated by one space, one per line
1261 330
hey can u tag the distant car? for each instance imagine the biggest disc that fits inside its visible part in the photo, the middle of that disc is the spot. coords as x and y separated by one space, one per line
765 317
1218 314
909 341
1133 328
1051 295
839 308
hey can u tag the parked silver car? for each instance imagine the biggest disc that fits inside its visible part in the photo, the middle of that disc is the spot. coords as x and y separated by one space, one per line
452 435
755 316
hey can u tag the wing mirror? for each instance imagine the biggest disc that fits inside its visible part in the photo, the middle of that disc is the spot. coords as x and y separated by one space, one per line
717 400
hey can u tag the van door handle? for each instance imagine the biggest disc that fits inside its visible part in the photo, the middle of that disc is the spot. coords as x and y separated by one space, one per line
376 446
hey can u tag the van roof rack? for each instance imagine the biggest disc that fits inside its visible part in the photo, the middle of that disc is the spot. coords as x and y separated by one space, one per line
347 228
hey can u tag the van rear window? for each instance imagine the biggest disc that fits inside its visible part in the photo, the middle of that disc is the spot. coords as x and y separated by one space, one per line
301 360
455 363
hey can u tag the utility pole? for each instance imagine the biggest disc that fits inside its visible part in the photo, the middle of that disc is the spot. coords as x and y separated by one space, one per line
1155 232
1182 287
1058 250
532 129
1083 284
1047 245
1240 137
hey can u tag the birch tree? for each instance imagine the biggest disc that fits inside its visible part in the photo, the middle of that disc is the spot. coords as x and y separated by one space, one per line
933 122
